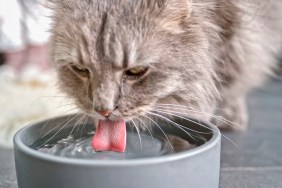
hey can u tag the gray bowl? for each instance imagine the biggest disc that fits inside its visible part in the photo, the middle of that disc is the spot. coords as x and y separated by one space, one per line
193 168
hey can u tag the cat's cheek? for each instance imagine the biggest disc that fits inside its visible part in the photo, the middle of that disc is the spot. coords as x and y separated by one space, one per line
76 87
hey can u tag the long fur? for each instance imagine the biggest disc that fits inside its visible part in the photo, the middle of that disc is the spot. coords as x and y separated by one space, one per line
204 54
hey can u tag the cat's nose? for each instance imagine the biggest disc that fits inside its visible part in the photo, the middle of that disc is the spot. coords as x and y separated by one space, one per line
105 113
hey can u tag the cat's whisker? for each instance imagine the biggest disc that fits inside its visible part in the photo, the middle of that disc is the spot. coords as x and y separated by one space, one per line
83 117
90 115
218 132
59 130
179 107
182 113
183 110
69 136
84 124
148 130
55 96
78 121
51 98
160 129
176 124
228 122
171 113
187 107
137 129
174 114
65 105
47 122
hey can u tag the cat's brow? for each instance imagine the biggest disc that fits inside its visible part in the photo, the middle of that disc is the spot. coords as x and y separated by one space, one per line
125 59
83 53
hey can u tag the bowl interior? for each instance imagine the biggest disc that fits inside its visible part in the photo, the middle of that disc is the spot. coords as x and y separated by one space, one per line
59 136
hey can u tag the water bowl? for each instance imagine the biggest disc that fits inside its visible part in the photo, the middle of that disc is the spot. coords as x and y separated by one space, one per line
57 153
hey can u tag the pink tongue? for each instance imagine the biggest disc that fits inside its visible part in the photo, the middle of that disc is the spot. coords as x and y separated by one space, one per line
110 136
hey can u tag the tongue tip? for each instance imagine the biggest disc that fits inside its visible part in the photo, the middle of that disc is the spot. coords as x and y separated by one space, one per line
97 146
119 150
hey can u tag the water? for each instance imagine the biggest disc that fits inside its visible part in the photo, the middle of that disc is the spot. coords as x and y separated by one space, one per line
77 146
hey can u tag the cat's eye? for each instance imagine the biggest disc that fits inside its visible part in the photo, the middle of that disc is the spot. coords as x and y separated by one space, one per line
136 72
80 70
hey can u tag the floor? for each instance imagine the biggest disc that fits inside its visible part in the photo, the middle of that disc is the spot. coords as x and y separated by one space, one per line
255 163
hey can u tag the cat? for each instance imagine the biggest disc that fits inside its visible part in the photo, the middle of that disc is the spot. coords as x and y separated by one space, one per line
130 58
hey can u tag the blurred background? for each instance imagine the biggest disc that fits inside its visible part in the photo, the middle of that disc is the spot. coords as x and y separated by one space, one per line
28 90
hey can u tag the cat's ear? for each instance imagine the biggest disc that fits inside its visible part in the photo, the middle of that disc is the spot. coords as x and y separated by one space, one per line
175 14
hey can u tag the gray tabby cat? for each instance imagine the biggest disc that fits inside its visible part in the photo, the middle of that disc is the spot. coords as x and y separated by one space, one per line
126 58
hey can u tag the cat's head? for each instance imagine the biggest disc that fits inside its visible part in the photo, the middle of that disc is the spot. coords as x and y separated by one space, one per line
127 56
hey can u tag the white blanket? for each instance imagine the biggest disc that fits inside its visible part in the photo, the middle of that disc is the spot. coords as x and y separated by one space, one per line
24 102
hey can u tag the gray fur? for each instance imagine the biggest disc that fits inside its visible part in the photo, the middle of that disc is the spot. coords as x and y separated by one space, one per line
205 54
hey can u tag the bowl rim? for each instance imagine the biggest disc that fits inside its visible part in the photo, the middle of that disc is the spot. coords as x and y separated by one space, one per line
19 145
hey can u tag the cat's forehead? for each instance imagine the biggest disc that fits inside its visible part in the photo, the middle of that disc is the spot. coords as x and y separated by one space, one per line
120 45
116 32
120 55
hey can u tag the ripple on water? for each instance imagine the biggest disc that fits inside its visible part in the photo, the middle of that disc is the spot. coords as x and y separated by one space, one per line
80 147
